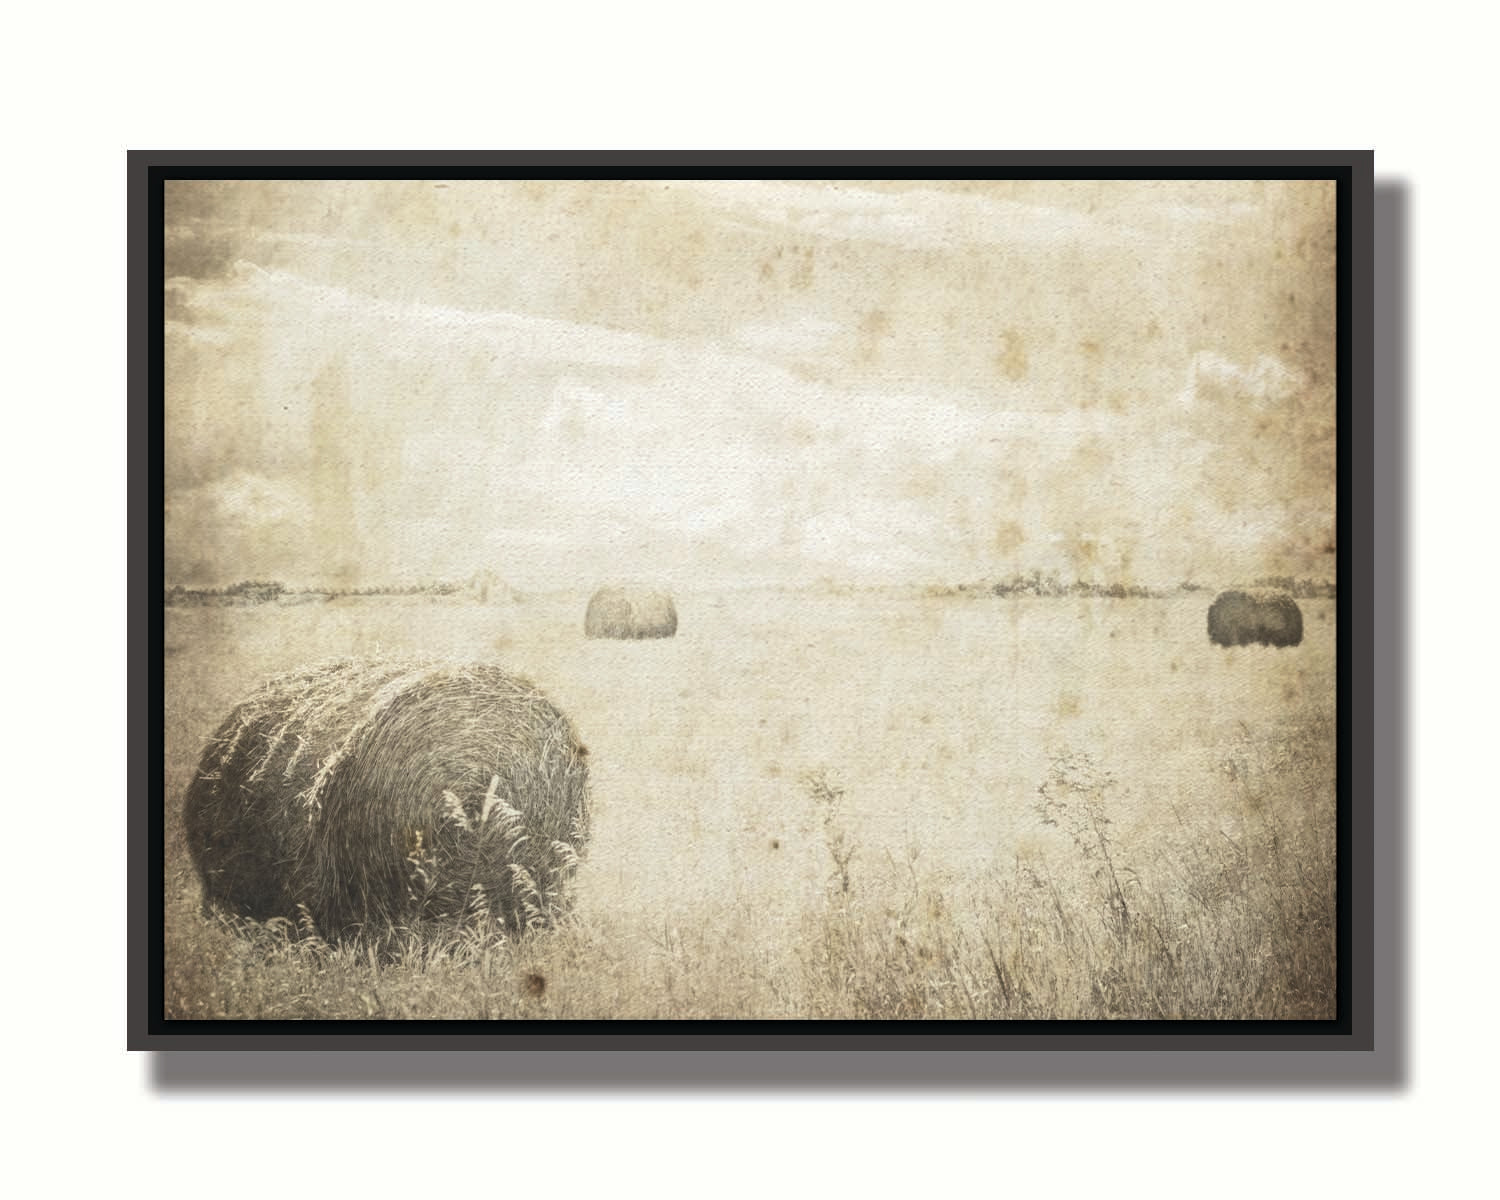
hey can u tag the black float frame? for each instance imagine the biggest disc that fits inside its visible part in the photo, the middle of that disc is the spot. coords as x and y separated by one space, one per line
1354 1028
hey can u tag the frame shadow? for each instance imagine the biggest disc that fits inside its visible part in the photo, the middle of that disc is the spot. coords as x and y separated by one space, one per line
1384 1069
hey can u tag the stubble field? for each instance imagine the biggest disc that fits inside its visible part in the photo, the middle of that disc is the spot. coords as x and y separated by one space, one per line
871 804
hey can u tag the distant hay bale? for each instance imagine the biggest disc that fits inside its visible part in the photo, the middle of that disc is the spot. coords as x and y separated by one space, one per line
620 612
391 795
1243 617
489 588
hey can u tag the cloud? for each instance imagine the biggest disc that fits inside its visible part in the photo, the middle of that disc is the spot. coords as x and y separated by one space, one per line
1214 377
254 499
465 429
189 331
328 313
924 218
795 338
244 525
243 497
563 448
198 250
536 338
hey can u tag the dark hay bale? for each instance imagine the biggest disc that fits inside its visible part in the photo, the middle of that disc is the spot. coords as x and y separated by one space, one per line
391 795
1243 617
618 612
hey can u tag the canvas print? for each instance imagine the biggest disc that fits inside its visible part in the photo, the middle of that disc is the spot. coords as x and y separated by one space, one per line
749 599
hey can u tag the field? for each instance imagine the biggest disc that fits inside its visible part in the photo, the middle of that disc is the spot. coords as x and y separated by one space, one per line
812 804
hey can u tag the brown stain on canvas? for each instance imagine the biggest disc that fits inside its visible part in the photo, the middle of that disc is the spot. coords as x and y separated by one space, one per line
874 330
1009 537
791 266
1011 359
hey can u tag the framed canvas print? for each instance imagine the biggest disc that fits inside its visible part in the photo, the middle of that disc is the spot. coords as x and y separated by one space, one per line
750 600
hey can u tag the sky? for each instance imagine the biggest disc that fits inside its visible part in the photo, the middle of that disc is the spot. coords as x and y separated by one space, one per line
748 382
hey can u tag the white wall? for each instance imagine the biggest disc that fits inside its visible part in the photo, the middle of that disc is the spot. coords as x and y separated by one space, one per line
1411 82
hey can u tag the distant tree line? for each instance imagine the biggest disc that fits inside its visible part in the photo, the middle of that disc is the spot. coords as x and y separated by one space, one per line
255 591
1303 589
247 591
1050 584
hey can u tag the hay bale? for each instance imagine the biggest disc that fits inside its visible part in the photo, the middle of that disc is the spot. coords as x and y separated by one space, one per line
629 612
390 795
1242 617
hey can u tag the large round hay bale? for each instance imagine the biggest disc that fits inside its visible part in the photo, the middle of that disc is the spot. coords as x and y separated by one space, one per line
629 612
1247 616
391 795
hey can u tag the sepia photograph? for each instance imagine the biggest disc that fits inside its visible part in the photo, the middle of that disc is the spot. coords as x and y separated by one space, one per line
868 599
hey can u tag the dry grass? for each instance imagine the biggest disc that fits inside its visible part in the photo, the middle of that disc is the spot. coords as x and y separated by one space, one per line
1160 849
1214 926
